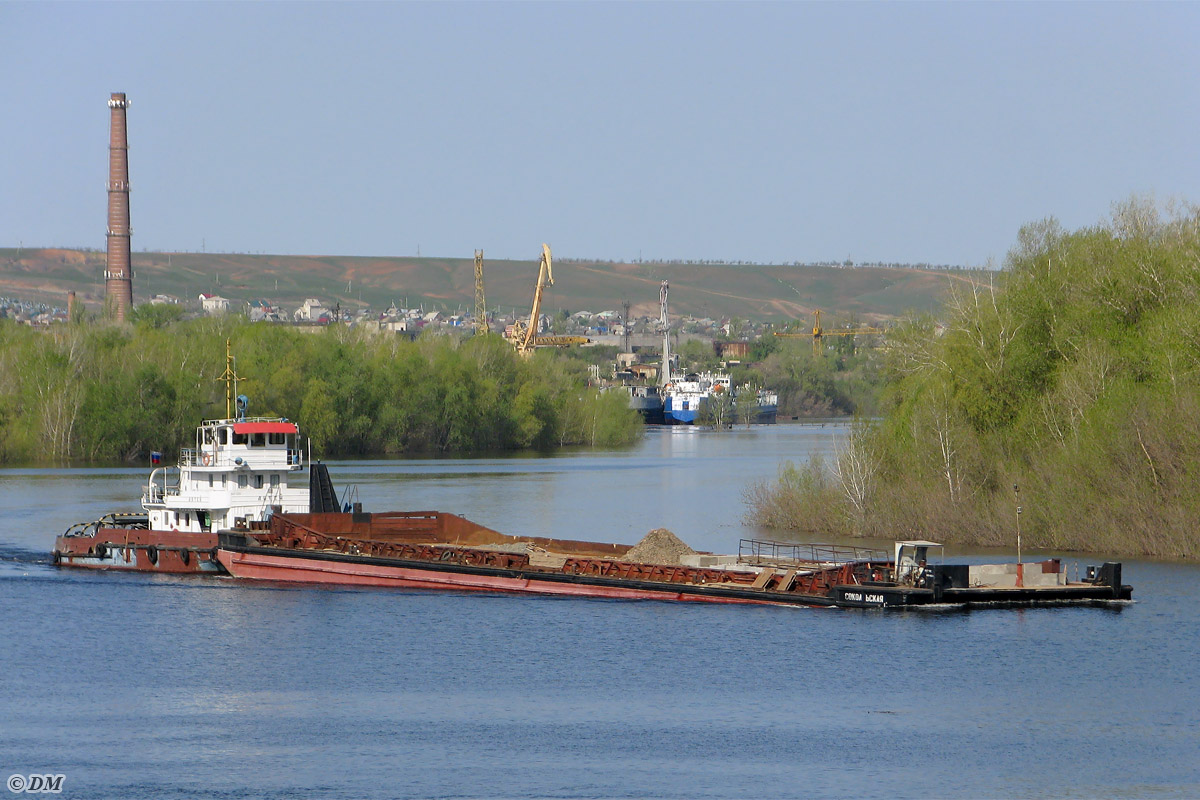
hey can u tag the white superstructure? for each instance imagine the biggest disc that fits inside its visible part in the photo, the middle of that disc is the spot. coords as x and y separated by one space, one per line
238 470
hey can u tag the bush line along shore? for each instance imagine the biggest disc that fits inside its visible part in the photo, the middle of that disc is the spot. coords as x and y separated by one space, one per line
1069 389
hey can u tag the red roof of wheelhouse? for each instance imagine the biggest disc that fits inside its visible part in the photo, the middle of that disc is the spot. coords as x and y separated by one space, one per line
265 427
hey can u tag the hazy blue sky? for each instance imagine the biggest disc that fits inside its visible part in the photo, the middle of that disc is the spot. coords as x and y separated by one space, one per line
773 132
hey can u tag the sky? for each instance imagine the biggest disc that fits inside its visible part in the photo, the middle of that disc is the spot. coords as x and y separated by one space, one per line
779 132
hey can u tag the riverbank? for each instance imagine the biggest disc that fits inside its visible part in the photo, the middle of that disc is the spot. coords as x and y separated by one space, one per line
110 392
1059 399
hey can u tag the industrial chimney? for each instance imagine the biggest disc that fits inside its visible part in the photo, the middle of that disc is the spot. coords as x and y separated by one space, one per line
118 272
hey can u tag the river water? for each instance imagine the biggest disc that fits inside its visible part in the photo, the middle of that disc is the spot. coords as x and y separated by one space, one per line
155 687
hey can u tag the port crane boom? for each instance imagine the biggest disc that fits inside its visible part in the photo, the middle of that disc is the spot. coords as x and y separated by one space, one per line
665 321
524 334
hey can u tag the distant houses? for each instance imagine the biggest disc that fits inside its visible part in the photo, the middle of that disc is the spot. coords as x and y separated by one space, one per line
603 326
732 351
38 315
263 311
214 304
312 311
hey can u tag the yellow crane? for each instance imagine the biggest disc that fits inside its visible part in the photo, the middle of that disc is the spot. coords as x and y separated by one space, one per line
818 333
524 334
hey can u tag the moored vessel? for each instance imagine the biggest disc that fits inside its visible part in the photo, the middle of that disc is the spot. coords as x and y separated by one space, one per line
686 399
767 406
685 396
647 401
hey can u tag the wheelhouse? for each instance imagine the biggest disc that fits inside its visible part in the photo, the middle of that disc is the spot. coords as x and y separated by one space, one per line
238 470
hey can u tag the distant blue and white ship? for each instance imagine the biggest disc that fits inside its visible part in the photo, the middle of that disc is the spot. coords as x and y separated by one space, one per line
686 397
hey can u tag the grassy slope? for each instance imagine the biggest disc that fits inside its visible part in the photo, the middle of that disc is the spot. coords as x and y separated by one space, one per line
756 292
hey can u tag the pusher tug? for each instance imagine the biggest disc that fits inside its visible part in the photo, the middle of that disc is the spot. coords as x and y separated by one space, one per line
241 470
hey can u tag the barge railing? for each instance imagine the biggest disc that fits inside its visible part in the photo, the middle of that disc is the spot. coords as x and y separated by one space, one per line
764 552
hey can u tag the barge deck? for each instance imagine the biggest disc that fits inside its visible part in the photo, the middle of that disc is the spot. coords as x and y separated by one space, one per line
437 550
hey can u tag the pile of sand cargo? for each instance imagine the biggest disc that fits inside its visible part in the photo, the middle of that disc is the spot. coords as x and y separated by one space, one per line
659 546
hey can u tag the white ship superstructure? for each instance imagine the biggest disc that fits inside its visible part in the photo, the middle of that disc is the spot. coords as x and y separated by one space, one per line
237 472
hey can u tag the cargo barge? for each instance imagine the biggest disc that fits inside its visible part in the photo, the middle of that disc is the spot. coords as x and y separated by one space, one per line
437 550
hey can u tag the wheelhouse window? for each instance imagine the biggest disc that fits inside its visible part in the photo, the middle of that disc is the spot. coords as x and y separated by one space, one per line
241 481
258 439
258 482
274 481
275 438
223 435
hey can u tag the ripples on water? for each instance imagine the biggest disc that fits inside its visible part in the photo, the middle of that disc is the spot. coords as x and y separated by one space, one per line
143 686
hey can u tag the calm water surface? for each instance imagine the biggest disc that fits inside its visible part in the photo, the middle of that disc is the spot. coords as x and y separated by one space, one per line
149 687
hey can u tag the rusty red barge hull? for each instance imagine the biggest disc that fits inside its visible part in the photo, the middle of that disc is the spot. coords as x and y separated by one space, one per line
357 570
436 550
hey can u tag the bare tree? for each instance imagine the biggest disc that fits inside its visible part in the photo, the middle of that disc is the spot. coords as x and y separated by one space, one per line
987 325
856 465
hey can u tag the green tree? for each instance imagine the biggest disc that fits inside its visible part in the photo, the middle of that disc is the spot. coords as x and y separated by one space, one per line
717 411
155 315
112 391
1072 374
319 415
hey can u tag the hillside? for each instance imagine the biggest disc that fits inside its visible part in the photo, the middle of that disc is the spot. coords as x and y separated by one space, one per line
775 293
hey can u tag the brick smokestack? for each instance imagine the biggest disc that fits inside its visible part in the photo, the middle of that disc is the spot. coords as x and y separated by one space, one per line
118 272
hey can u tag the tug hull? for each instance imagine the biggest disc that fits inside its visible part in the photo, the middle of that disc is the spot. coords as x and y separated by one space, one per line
140 550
